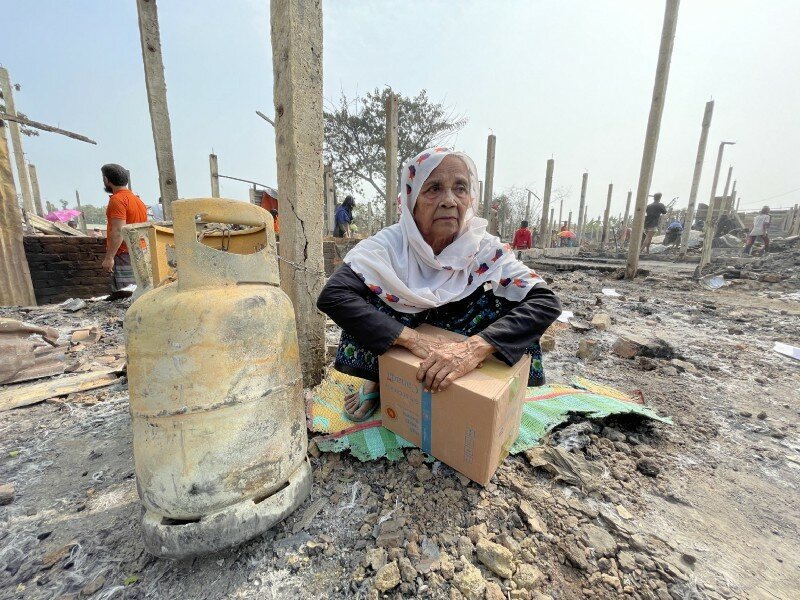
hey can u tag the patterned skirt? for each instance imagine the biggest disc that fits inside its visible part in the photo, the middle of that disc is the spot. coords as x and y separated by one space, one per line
122 276
472 316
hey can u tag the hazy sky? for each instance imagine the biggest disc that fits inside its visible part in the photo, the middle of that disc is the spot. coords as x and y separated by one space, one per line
570 80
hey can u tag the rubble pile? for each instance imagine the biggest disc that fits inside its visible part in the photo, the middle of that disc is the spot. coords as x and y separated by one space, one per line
619 508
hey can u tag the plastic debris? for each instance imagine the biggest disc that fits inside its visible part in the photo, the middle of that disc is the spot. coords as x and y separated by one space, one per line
787 350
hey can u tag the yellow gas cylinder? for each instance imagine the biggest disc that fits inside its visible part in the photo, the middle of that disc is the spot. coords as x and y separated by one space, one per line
216 398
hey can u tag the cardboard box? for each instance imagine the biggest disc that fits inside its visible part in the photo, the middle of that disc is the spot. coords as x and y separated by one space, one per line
471 425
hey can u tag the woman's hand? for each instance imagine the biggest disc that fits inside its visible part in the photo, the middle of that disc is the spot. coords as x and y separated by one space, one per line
447 361
419 344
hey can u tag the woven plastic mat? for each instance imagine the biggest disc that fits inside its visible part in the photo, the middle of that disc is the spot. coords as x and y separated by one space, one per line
545 408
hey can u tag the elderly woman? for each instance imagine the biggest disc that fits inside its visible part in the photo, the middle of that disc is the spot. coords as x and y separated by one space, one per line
438 266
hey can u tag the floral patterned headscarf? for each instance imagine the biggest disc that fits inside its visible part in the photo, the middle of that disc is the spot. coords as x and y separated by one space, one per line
399 266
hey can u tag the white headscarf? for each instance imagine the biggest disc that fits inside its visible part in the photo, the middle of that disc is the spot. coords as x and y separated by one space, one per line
399 266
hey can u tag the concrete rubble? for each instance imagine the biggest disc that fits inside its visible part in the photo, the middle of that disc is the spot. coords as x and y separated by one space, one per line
614 509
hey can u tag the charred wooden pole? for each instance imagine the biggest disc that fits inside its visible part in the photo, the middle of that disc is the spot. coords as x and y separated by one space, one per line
16 142
651 136
157 101
698 171
296 27
391 157
544 228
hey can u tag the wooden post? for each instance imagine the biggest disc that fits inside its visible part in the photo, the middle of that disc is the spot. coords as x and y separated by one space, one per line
728 182
583 224
157 101
550 228
796 225
698 171
37 197
582 208
711 222
604 238
488 181
560 213
330 203
528 207
627 211
569 221
82 218
544 236
16 288
16 142
296 27
214 168
391 158
738 200
651 136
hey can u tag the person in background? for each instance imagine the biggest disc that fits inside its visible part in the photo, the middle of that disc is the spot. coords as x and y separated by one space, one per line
343 217
523 238
96 233
673 235
156 212
124 207
760 229
276 223
652 215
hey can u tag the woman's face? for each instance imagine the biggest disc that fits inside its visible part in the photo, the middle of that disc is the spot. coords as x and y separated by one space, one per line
442 203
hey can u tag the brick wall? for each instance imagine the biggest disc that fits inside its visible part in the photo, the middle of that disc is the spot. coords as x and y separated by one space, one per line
333 251
70 267
66 267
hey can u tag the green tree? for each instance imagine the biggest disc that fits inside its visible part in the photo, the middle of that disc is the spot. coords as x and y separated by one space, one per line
92 213
355 133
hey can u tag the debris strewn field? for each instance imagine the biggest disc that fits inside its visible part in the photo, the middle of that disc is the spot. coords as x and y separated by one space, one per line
705 508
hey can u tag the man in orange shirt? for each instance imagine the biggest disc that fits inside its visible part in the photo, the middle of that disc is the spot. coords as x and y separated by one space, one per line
124 207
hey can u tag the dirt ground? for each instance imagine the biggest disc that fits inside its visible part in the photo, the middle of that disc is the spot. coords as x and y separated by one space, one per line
706 508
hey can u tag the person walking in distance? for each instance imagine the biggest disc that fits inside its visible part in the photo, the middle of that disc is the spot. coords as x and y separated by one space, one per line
760 229
523 238
124 207
652 214
343 217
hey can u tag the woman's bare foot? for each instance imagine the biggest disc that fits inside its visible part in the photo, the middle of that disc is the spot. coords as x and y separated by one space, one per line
351 407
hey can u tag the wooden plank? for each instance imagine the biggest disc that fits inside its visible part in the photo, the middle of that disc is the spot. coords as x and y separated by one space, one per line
16 396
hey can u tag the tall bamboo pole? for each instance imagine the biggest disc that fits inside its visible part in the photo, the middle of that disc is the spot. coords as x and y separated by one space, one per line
16 142
37 196
651 136
157 102
698 171
582 208
16 288
606 216
544 237
391 157
711 222
488 180
213 167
